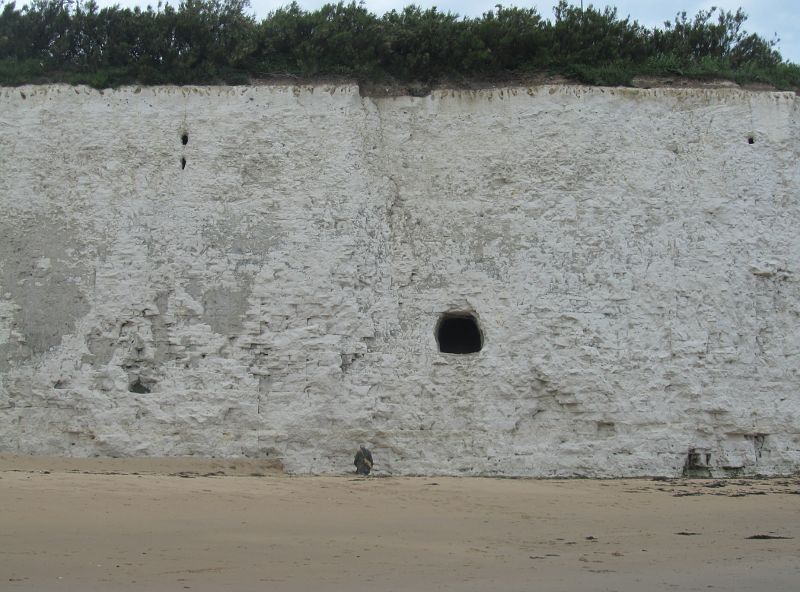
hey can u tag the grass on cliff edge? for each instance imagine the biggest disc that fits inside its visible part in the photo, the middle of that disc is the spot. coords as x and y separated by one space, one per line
218 41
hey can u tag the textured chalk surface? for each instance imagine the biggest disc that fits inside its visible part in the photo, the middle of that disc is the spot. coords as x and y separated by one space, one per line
271 288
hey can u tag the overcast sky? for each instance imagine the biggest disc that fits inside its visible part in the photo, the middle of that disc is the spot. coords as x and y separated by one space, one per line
766 17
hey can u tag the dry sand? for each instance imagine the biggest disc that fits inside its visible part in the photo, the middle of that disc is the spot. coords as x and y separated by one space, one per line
89 531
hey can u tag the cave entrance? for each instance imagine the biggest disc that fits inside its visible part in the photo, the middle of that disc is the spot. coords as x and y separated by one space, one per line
458 333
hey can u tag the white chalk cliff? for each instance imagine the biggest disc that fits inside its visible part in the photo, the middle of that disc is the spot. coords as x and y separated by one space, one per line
272 287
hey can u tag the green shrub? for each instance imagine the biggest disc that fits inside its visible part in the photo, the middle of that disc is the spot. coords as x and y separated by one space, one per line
209 41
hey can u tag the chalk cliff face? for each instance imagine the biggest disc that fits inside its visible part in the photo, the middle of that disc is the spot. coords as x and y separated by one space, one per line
261 271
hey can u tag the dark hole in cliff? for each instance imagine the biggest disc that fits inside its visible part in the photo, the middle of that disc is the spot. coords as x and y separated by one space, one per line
184 138
138 387
458 333
751 140
183 163
697 464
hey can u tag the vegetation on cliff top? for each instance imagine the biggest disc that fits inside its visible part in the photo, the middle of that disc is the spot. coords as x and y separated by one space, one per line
210 41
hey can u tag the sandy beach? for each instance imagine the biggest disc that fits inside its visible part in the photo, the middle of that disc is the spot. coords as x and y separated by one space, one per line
92 525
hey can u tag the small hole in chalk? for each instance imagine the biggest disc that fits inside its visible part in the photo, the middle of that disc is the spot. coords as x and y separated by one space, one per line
183 163
138 387
751 140
185 138
458 333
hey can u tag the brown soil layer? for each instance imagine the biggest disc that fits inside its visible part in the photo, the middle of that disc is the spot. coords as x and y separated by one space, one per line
389 88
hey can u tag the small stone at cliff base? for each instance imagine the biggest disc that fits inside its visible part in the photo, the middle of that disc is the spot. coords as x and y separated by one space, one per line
363 461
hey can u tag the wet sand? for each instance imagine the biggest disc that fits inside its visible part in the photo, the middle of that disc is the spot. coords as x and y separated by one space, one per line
79 528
